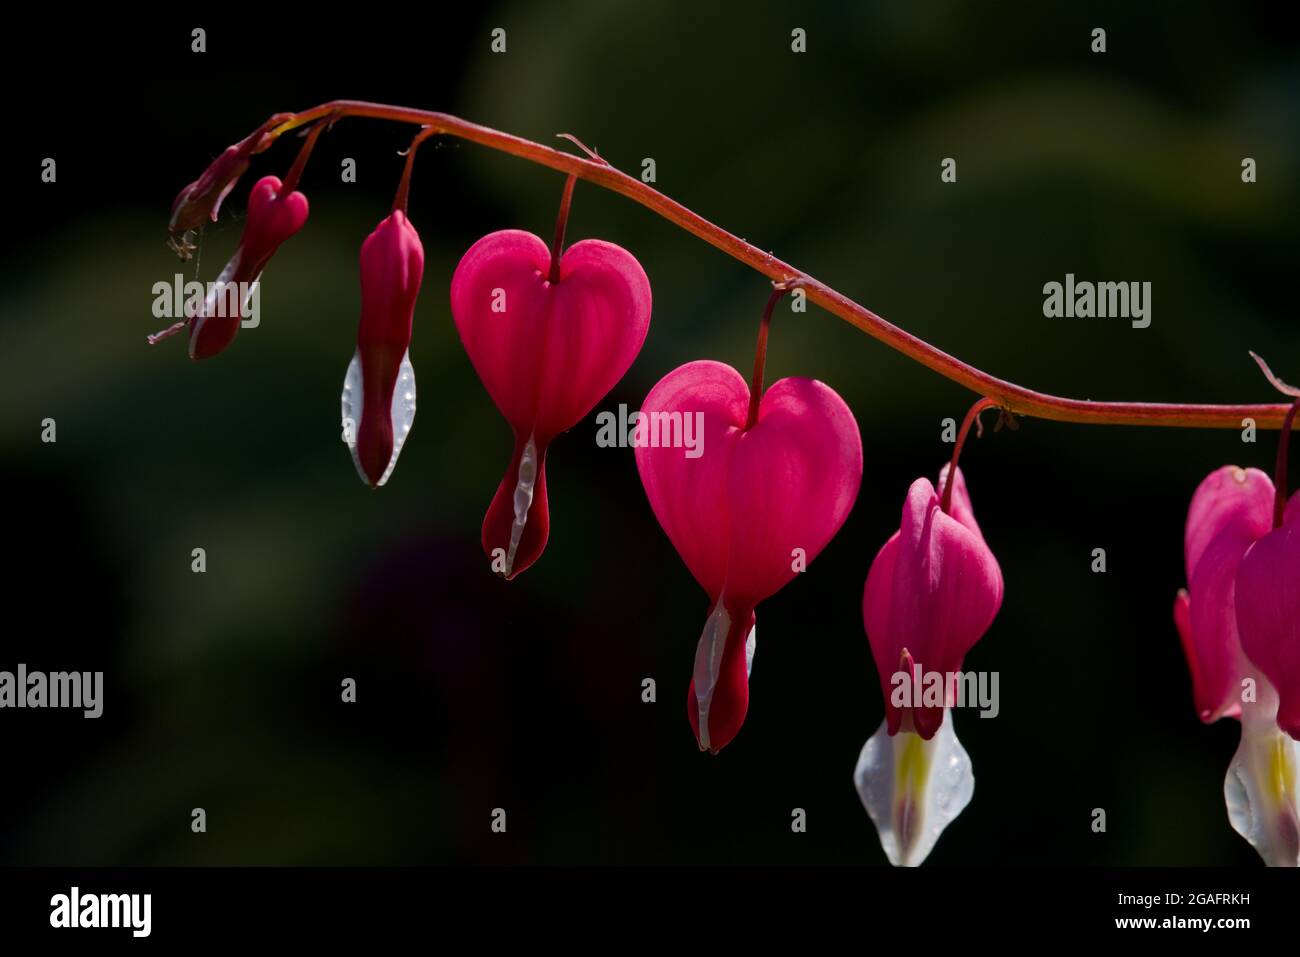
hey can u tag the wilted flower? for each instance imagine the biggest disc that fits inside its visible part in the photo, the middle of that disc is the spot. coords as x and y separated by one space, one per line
200 201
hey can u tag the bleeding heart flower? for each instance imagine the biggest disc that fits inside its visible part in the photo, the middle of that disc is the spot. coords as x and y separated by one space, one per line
272 219
931 594
379 389
1229 598
754 498
549 336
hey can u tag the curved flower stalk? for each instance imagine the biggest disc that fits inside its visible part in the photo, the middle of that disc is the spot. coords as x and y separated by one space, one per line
1011 397
549 334
750 486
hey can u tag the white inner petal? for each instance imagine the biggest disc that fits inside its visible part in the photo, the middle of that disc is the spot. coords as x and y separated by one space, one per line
524 489
708 663
402 410
913 788
352 402
210 300
1260 787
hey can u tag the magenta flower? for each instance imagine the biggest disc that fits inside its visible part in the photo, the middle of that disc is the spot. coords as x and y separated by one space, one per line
379 389
272 219
747 498
1234 622
549 336
1268 612
931 594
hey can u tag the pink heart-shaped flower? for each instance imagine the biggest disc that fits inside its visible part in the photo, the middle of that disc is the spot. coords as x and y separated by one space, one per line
746 509
547 353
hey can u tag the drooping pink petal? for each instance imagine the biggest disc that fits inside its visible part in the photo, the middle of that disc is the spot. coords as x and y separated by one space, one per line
547 353
1211 640
1230 509
932 592
1230 500
1268 612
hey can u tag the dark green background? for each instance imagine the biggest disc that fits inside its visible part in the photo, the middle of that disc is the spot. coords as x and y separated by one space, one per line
223 688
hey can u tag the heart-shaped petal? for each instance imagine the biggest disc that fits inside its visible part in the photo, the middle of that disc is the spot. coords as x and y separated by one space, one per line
749 508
